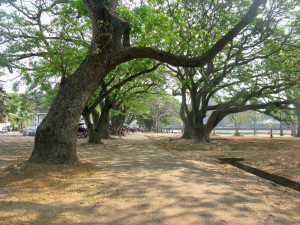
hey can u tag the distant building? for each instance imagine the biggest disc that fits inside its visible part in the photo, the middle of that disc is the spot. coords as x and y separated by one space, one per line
37 118
4 123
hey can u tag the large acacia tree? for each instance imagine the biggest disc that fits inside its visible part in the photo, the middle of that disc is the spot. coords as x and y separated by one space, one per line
208 97
162 108
122 85
110 46
252 71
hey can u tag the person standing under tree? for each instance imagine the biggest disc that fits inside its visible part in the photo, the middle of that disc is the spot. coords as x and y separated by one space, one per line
271 134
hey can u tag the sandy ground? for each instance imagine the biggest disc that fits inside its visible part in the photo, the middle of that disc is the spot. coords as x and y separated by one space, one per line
134 180
280 155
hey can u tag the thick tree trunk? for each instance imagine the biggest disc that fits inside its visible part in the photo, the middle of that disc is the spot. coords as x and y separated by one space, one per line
192 130
93 134
187 132
298 119
254 128
117 123
94 137
113 125
293 131
298 129
214 119
156 126
56 137
103 126
201 134
281 129
100 128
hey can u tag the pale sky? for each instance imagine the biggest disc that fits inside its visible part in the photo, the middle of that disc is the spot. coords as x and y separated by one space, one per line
8 79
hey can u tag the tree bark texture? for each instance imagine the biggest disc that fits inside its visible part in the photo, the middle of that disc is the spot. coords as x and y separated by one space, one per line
201 134
94 137
117 122
103 125
198 131
293 131
281 129
298 118
187 132
100 127
254 128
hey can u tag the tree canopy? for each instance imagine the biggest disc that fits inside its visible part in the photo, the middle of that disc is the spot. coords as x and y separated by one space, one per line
250 72
3 108
183 34
117 93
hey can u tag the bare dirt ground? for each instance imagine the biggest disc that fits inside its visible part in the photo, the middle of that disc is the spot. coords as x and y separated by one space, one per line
134 180
280 155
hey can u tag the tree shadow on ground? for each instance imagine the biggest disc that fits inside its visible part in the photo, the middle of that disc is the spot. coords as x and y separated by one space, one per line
134 181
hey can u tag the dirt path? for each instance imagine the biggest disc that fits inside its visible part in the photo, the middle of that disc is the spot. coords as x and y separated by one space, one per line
135 181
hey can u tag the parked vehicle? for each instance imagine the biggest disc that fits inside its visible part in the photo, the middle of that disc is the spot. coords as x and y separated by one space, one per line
82 132
29 131
32 133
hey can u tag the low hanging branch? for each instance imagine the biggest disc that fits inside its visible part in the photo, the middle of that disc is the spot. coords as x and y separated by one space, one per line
177 60
106 92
